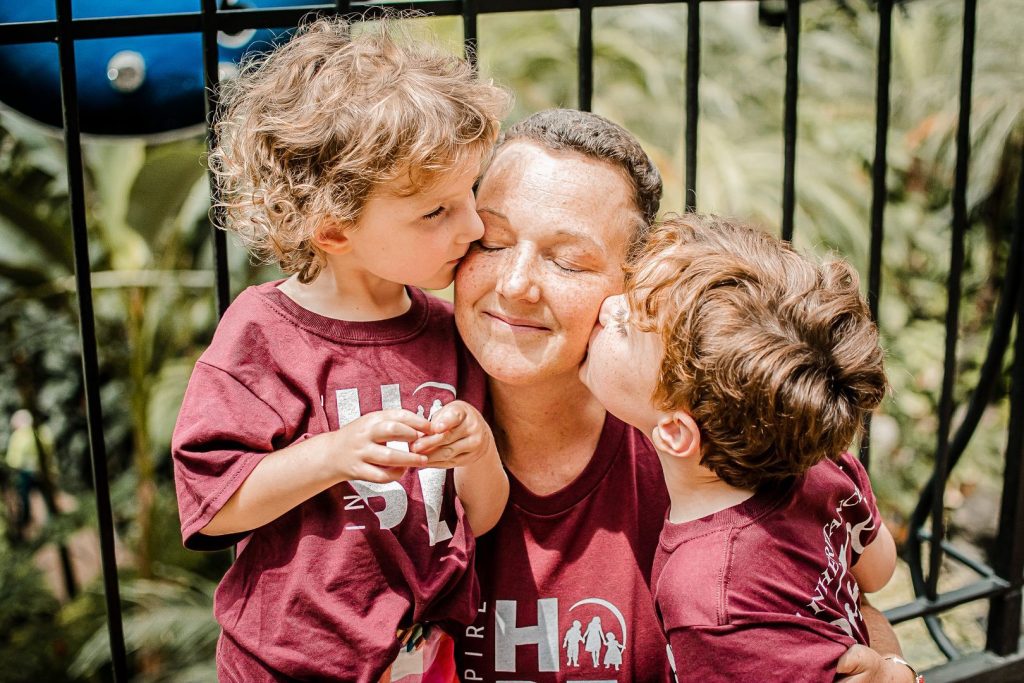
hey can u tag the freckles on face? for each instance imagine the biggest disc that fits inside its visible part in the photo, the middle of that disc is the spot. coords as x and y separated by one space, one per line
556 226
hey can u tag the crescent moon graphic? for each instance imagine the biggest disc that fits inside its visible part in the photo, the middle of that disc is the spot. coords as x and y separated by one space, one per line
435 385
608 606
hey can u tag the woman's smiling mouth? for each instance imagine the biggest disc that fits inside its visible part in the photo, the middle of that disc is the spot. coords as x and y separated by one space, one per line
516 324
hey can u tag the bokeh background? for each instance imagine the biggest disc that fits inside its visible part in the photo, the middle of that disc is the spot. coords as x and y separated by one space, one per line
151 249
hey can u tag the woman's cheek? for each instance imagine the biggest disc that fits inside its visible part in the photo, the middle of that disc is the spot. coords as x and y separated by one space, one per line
583 315
470 278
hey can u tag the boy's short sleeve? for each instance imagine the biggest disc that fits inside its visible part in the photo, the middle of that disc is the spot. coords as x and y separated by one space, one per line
787 649
853 468
222 433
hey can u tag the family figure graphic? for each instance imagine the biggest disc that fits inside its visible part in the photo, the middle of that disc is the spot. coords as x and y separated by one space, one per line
592 639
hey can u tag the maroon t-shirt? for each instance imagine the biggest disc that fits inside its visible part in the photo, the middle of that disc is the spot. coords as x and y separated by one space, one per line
763 590
565 577
319 592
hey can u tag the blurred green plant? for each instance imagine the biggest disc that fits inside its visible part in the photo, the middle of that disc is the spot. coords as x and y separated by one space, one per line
169 619
27 633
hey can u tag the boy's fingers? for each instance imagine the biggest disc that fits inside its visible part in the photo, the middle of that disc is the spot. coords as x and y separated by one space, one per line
451 416
394 431
392 457
450 453
380 475
407 417
427 444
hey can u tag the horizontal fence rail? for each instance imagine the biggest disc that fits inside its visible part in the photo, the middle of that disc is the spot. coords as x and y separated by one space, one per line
1000 583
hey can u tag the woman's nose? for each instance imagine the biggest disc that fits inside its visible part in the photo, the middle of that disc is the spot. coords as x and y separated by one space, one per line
612 309
517 279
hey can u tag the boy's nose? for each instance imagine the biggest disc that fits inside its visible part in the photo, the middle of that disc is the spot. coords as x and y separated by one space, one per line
474 227
611 309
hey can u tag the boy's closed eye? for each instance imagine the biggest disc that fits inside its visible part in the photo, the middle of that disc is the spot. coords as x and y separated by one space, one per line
620 321
436 213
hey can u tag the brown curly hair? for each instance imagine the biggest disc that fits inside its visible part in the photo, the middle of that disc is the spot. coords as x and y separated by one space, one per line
775 357
310 131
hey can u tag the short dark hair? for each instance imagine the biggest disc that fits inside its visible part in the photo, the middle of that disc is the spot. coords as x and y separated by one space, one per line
775 356
595 136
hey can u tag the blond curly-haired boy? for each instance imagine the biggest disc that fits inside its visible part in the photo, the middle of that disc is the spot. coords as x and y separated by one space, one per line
332 428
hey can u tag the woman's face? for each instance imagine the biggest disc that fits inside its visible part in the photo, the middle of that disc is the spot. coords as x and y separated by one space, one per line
556 227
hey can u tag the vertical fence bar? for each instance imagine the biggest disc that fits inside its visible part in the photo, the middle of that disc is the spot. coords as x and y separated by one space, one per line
87 332
879 190
1004 619
963 148
789 117
692 101
585 55
211 81
470 38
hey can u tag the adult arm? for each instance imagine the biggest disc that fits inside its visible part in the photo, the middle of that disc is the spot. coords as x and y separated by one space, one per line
862 664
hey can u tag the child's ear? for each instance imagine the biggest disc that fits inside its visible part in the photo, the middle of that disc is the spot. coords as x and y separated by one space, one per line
331 237
677 434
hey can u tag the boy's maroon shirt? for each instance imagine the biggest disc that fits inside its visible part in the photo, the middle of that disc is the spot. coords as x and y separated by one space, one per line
319 592
580 554
763 590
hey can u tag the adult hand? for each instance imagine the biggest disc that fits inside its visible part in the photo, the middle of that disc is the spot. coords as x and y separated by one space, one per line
861 664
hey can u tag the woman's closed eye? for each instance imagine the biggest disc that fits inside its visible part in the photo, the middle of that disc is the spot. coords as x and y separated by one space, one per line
484 246
567 267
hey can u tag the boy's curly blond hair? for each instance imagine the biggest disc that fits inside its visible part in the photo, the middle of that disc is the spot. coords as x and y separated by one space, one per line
309 132
775 357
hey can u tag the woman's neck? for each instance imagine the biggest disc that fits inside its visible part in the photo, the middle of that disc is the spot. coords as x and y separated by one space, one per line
546 433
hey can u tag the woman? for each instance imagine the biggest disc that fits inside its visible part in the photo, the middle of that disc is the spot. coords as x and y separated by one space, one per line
565 196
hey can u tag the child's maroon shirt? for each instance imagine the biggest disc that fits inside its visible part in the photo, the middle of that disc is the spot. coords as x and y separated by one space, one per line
319 592
763 590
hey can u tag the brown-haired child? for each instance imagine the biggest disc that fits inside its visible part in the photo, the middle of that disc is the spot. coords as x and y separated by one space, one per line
320 430
751 368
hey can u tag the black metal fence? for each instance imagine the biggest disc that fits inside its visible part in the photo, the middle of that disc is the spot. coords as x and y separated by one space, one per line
999 583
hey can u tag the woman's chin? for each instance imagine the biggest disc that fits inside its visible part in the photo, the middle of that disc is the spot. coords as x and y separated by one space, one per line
521 372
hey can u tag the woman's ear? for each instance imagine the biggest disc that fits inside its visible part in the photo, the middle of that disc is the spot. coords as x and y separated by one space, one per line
677 434
331 237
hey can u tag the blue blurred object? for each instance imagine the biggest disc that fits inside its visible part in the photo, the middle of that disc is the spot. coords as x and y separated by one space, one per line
138 85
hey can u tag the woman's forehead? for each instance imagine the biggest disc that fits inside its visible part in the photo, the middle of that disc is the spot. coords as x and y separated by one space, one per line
528 187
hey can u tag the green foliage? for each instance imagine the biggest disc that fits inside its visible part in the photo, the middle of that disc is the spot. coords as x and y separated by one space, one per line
30 646
169 620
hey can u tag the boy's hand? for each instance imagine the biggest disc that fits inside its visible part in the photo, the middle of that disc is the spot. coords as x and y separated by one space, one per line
361 451
457 436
